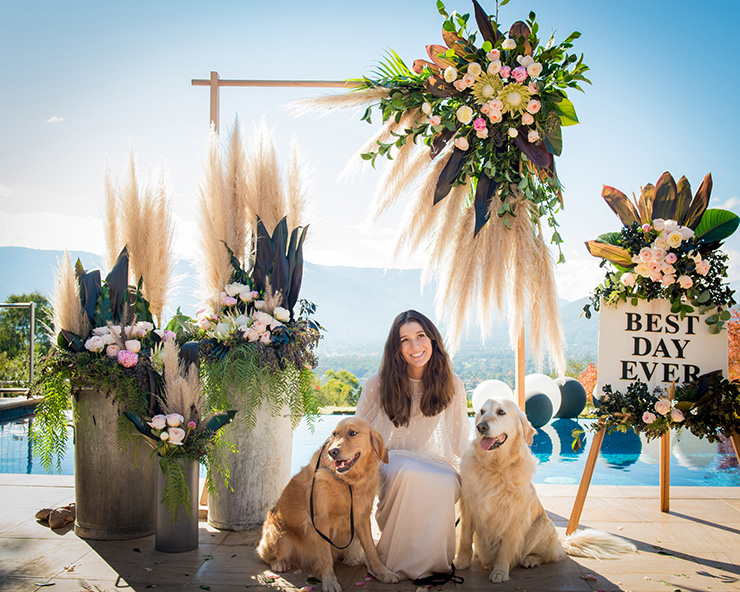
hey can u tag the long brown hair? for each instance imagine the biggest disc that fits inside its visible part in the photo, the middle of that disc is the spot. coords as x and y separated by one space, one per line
437 380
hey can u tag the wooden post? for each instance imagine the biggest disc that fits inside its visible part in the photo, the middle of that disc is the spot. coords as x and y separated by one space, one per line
588 471
519 379
215 99
665 471
735 438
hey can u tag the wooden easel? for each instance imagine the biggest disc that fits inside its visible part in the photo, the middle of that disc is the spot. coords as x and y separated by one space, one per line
665 470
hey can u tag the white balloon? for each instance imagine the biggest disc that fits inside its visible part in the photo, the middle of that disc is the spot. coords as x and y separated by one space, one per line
693 452
541 383
490 389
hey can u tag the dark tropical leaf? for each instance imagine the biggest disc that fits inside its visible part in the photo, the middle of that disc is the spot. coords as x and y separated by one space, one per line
615 254
280 278
419 65
189 353
437 86
620 205
450 172
645 203
717 225
664 200
440 141
483 195
520 30
435 52
69 341
296 273
683 200
140 424
536 153
89 292
280 235
554 140
264 254
611 238
700 203
117 281
484 24
219 420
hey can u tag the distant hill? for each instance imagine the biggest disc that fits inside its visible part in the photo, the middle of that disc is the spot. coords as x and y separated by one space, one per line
355 305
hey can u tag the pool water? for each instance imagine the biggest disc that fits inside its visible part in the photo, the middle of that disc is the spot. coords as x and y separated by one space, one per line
624 459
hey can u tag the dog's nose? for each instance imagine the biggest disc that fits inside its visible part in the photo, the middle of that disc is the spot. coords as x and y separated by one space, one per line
333 452
482 427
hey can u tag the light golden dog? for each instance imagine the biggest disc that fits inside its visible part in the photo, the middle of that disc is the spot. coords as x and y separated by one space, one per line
349 458
500 510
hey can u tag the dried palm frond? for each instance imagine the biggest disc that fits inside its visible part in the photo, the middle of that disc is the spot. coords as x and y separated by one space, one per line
264 191
66 304
349 100
182 386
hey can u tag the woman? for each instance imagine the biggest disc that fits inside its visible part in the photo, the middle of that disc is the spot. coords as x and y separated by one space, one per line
420 408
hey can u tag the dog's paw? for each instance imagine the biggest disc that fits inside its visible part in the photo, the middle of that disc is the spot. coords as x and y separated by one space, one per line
387 576
280 565
499 575
330 584
463 561
531 561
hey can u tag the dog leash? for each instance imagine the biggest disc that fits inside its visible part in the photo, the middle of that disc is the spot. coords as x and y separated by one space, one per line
437 579
351 507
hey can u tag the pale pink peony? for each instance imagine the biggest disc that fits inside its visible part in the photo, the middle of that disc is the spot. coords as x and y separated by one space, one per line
252 335
265 338
158 422
474 69
685 282
127 359
112 350
525 61
648 417
677 415
493 55
485 108
174 420
668 280
465 114
659 224
508 44
646 227
203 323
496 104
663 406
177 435
450 74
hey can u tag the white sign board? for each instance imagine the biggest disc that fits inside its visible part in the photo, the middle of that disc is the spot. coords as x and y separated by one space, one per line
651 344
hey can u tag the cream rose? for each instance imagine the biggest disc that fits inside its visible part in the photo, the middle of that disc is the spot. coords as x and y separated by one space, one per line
685 282
663 406
674 239
494 67
465 115
534 70
533 136
474 69
95 344
282 314
628 279
513 133
426 108
450 74
461 143
508 44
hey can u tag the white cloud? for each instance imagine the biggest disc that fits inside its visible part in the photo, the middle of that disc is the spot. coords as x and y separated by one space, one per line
727 205
578 276
4 191
44 230
55 119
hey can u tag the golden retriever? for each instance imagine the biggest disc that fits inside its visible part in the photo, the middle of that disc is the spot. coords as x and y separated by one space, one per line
350 457
500 509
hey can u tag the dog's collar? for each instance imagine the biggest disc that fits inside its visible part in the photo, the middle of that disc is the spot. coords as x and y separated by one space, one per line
351 507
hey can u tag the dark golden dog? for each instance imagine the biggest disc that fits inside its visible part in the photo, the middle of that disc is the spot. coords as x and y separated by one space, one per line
500 509
349 458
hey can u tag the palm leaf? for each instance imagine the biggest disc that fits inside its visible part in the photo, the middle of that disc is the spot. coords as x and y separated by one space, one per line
435 52
484 193
450 172
717 225
683 200
645 203
484 24
613 253
699 203
620 205
664 200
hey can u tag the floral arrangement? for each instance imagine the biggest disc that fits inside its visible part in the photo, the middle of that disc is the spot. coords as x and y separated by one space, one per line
499 104
180 430
707 407
668 248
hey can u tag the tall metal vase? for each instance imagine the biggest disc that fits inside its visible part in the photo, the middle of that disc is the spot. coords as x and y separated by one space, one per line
114 489
259 471
180 534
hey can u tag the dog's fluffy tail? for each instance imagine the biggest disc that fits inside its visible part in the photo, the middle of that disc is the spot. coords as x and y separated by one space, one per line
596 544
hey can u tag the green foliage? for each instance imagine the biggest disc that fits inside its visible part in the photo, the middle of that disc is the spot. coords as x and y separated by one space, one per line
15 325
340 389
176 492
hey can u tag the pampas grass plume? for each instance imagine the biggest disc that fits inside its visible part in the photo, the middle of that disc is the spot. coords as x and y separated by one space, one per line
66 305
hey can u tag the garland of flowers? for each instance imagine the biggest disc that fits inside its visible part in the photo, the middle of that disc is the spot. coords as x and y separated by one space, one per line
668 248
707 407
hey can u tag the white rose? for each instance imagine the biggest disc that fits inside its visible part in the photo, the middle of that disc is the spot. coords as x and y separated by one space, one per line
262 317
115 330
628 279
508 44
674 239
95 344
462 143
101 331
534 70
133 345
177 435
465 115
533 136
144 326
525 61
494 67
158 422
282 314
513 132
474 69
259 304
108 339
112 350
450 74
426 108
174 419
686 232
234 289
658 224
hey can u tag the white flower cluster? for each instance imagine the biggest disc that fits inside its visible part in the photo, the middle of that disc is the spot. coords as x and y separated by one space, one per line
657 261
169 428
110 338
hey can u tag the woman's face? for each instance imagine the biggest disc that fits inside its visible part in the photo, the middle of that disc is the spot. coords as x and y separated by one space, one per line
416 348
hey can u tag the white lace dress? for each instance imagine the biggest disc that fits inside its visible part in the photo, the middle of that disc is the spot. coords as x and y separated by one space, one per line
420 485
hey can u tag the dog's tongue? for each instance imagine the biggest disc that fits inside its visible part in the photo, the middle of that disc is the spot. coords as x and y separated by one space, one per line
486 443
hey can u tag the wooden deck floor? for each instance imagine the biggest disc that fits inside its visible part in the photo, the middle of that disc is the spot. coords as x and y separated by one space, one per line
695 547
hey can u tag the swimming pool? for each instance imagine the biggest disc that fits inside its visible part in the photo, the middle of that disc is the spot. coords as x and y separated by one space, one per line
624 459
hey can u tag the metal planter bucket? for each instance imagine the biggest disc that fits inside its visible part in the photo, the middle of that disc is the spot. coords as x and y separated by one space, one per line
114 489
181 534
259 471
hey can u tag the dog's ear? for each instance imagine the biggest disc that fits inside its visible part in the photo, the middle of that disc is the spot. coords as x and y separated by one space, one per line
528 431
379 445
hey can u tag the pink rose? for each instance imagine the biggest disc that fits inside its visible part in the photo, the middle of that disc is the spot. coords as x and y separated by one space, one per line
485 108
655 267
677 415
527 119
495 116
648 417
702 268
504 72
668 280
532 88
469 80
646 227
460 85
496 104
203 323
663 406
479 124
519 74
685 282
461 143
671 258
493 55
127 359
646 254
533 106
435 120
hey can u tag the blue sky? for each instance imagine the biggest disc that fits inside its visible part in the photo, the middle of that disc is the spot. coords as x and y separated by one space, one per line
83 82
